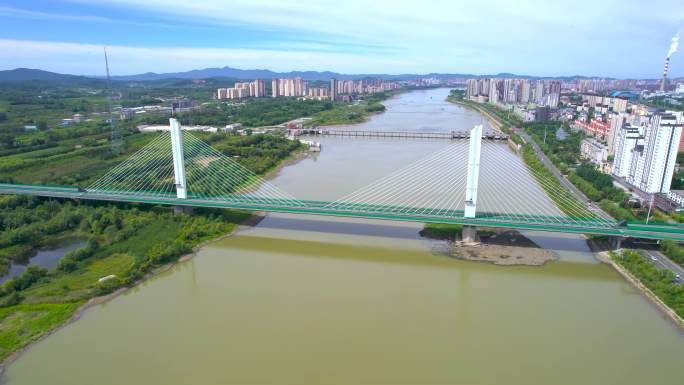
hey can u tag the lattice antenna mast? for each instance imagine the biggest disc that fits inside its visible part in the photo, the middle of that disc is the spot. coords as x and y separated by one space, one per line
116 135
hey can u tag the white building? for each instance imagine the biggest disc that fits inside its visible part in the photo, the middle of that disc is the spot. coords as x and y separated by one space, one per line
243 90
626 140
646 156
676 196
594 151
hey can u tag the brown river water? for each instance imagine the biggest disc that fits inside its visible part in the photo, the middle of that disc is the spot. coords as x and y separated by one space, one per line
316 300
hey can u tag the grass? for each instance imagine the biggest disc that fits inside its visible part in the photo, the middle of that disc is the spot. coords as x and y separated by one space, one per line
81 284
561 196
147 237
442 231
21 324
340 114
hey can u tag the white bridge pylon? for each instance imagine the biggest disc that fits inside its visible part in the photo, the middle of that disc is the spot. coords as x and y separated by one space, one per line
473 171
178 159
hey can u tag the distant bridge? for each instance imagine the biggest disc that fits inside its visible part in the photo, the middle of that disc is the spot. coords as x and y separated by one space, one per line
395 134
178 169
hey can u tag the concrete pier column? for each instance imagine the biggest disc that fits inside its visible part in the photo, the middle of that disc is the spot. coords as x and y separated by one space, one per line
469 234
616 242
178 159
473 171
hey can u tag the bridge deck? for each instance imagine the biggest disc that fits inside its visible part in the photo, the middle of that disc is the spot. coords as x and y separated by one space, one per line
522 222
397 134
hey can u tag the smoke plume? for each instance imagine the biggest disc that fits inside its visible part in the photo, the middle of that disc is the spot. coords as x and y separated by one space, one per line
674 44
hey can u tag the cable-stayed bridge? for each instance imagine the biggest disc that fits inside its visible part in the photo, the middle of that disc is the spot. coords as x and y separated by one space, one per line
471 182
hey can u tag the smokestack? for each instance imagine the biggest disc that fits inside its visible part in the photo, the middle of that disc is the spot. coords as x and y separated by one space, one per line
674 44
665 70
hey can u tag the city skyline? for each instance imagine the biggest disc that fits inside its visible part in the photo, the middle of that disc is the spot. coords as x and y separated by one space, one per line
530 38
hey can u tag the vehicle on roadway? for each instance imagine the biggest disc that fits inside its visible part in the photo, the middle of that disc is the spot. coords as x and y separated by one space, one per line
654 259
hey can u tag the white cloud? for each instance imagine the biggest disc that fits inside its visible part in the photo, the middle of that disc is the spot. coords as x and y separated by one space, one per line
75 58
18 12
610 37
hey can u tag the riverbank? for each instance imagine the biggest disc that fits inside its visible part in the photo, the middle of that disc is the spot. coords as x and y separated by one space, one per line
495 123
359 112
293 158
605 257
81 308
125 244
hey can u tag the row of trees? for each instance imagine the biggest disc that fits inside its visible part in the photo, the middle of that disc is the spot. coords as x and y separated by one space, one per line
602 183
596 185
660 281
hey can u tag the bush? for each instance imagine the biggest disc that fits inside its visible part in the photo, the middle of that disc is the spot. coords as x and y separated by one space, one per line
659 281
617 212
30 276
585 187
673 250
14 298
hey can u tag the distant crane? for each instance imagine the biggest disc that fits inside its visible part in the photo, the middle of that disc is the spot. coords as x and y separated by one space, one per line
115 144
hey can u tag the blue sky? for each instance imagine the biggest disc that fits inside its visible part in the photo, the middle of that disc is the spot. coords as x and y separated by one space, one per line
625 38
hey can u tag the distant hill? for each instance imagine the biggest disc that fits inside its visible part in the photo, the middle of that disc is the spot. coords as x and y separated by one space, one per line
239 74
227 73
24 74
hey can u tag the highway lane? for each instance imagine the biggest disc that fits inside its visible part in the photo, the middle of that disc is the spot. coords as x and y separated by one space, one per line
663 262
591 206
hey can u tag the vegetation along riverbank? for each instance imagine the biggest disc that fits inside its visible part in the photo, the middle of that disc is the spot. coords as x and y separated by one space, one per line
657 284
564 152
125 243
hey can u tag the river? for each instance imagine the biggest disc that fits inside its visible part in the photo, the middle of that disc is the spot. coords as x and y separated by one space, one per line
47 257
316 300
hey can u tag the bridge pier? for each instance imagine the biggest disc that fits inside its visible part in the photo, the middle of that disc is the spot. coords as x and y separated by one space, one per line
178 159
616 242
473 172
469 234
182 210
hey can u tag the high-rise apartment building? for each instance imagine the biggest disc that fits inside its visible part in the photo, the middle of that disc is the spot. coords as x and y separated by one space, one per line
645 156
242 90
524 91
626 140
289 87
333 89
275 87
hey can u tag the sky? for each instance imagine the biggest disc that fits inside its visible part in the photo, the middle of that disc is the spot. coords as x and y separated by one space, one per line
614 38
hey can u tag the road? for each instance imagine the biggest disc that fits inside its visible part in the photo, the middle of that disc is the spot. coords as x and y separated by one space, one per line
663 262
591 206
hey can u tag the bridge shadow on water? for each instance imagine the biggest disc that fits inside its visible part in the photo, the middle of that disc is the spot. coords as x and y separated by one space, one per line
410 258
387 252
410 231
346 226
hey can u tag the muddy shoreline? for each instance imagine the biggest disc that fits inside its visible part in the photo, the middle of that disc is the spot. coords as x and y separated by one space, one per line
289 161
503 255
504 248
249 222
